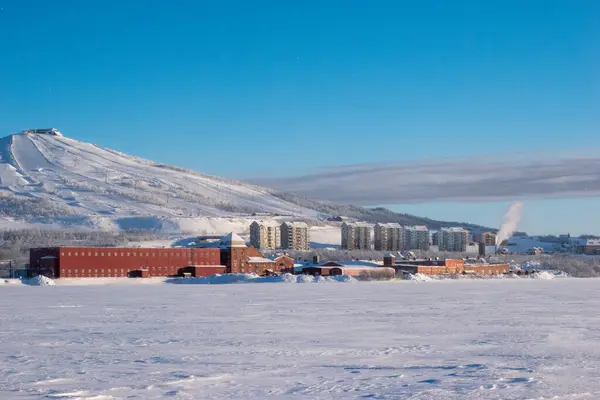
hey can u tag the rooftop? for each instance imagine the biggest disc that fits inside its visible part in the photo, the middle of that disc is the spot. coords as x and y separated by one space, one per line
259 260
394 225
269 222
454 229
232 239
417 228
359 224
296 224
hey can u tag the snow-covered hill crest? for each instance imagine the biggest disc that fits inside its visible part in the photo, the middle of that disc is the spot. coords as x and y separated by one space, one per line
83 179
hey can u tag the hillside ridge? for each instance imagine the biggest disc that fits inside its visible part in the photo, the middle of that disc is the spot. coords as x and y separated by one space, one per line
76 182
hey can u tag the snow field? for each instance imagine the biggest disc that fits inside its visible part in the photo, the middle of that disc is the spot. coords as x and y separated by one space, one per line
466 339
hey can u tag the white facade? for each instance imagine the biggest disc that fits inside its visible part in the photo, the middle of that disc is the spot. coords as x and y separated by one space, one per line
389 237
265 235
357 236
453 239
294 236
416 238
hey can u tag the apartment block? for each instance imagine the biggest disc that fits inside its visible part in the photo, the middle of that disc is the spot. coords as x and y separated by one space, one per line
389 237
265 235
294 236
453 239
488 238
357 236
416 238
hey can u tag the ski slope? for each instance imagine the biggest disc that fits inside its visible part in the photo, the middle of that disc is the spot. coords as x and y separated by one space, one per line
110 187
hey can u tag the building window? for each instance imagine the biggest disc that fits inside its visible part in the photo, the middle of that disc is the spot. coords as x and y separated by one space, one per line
89 253
122 254
128 254
76 254
108 253
116 254
62 254
69 254
96 254
102 254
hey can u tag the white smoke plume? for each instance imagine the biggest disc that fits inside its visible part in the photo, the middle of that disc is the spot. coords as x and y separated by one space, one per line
511 221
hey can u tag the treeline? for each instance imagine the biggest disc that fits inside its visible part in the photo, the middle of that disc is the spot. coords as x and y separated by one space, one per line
28 208
15 244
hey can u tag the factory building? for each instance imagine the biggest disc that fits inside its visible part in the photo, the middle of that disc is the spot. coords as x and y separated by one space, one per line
442 267
228 255
96 262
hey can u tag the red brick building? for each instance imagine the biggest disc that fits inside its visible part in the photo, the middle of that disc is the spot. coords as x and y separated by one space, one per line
443 267
229 255
90 262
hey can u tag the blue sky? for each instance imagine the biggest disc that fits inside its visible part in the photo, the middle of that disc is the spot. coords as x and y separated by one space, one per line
233 88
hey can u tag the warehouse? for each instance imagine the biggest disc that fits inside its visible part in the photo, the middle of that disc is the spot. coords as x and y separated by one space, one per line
228 255
95 262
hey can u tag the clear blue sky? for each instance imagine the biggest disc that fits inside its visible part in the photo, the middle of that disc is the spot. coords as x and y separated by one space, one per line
227 87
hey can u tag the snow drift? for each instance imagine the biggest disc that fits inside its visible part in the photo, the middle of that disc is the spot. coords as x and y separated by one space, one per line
253 278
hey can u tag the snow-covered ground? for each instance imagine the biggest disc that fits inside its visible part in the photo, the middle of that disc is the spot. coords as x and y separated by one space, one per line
495 339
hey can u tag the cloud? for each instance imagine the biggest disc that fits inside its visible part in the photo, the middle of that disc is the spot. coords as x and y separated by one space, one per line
492 178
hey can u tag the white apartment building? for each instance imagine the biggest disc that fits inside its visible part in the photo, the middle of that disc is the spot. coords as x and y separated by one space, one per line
389 236
265 235
357 236
294 236
416 238
453 239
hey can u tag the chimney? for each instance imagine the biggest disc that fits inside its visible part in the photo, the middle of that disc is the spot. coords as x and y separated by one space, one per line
389 260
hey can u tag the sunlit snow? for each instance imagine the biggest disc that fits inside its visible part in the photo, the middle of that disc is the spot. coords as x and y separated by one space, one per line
455 339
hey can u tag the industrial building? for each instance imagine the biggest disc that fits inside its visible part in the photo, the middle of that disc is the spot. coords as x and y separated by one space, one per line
443 267
228 255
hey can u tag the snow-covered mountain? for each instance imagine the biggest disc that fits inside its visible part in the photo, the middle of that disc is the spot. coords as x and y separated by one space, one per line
46 178
73 179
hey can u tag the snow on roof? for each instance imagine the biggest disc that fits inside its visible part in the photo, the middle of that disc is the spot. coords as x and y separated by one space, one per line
259 260
592 242
417 228
360 224
453 229
394 225
352 264
296 224
270 223
232 239
47 257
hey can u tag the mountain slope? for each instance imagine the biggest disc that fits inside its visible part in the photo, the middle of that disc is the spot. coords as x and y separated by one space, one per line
61 179
91 180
